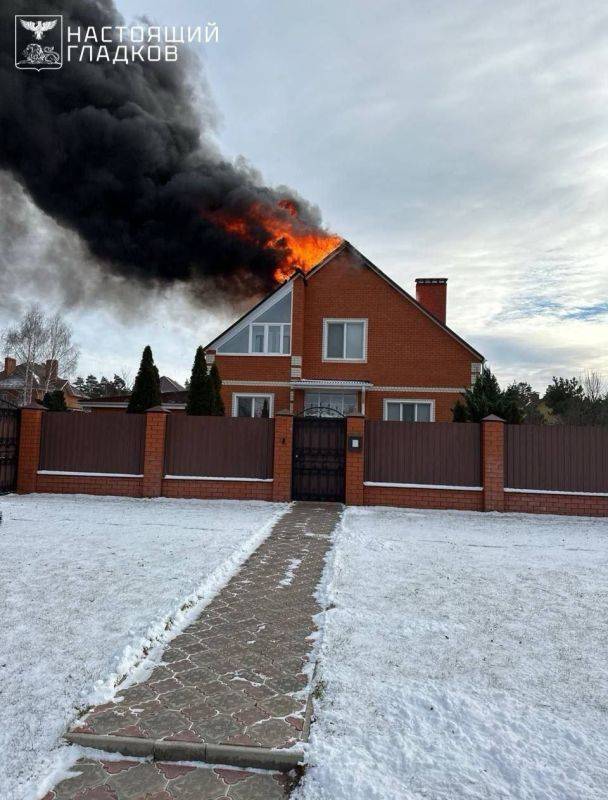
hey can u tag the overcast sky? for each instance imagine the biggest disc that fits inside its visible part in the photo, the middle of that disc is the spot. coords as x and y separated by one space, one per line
464 140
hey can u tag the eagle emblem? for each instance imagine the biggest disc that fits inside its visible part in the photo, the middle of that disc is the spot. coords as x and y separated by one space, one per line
38 41
38 28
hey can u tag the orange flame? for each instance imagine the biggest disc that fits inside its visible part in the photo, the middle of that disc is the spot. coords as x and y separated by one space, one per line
300 245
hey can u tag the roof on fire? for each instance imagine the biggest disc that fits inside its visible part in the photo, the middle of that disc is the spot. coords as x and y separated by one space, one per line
346 246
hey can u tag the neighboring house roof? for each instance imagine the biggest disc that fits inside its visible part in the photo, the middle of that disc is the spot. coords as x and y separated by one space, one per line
347 246
16 379
169 385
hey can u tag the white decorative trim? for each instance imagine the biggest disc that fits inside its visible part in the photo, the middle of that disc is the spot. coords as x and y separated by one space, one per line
212 478
322 383
89 474
116 404
165 406
359 384
434 389
255 355
328 359
424 486
286 384
554 491
408 401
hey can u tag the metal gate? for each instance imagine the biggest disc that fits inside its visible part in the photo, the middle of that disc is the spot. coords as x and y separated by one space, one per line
319 454
9 439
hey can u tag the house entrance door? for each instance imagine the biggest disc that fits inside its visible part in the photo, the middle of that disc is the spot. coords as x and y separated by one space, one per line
319 455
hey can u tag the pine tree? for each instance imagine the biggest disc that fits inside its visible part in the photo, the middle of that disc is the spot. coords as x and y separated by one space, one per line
200 390
54 401
265 410
484 398
216 383
146 389
459 412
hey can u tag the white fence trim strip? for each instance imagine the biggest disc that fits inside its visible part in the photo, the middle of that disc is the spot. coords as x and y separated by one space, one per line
424 486
555 491
214 478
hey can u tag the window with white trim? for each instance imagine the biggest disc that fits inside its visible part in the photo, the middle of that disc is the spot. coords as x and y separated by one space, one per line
270 338
344 339
324 403
252 405
409 410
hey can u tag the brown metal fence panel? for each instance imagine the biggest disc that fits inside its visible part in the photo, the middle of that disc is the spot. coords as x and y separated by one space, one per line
556 458
219 447
99 443
427 453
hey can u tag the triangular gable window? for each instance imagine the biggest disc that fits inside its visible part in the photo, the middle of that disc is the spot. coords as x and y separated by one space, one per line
267 331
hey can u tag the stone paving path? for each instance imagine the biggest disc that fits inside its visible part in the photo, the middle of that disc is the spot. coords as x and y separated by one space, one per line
234 677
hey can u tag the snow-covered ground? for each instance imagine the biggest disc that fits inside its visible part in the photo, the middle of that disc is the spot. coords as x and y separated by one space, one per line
85 584
466 657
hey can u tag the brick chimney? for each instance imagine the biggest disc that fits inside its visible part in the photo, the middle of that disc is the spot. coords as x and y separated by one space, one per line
10 365
432 294
51 368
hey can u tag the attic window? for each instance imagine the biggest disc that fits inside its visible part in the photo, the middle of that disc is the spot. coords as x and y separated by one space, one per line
270 339
268 332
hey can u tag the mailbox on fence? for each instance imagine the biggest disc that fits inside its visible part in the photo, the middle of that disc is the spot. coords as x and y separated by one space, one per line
355 444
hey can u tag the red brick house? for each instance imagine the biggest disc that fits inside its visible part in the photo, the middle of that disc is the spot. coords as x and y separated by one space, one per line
20 385
344 337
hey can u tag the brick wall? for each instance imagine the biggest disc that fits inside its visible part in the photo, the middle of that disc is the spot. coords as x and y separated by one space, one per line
354 494
283 446
154 452
83 484
492 497
423 498
218 490
29 449
492 463
153 482
547 503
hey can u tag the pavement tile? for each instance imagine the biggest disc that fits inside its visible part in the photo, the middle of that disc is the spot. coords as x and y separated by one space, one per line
231 776
165 723
173 770
90 775
228 678
136 783
112 767
200 784
258 787
273 733
216 730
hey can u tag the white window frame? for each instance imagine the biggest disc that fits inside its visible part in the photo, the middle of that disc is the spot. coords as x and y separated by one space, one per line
321 392
326 323
265 352
408 401
267 395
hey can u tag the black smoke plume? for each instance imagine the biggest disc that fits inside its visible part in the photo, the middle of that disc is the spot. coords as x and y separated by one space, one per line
123 155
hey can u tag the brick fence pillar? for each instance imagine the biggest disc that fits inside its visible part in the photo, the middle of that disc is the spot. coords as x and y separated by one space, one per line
30 431
492 463
355 427
281 470
154 452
